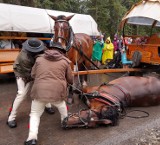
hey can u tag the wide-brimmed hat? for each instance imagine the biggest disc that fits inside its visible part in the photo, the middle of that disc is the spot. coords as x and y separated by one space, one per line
33 45
58 46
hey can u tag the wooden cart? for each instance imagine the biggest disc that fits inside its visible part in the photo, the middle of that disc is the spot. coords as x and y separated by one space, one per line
145 49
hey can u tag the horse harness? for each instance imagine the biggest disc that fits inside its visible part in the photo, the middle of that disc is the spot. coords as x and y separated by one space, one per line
110 99
83 122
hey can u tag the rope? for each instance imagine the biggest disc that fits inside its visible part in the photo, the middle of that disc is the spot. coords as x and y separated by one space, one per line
146 114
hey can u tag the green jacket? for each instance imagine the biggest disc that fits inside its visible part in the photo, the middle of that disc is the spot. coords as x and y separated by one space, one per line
23 65
97 51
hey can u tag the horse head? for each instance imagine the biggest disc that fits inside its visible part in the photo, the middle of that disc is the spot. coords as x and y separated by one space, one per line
84 118
63 31
98 114
108 114
107 109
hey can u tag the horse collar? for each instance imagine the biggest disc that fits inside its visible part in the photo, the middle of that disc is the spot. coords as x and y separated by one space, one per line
107 99
127 95
125 92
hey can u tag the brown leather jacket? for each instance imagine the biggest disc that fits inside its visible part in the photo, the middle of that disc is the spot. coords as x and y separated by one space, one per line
51 73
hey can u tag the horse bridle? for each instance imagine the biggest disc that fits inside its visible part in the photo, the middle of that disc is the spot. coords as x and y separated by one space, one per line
71 34
72 41
84 121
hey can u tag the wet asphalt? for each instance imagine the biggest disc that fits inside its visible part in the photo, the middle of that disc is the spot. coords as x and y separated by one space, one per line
50 131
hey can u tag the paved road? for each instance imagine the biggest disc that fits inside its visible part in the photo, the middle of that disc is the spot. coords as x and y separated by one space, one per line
50 131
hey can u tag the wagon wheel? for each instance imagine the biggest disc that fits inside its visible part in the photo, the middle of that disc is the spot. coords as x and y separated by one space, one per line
136 58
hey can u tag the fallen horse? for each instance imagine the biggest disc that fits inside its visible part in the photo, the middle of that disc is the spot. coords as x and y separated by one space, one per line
107 102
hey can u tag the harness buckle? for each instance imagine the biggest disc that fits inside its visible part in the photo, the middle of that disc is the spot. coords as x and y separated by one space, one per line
96 93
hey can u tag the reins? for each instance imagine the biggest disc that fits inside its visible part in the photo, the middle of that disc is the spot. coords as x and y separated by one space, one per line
146 114
83 54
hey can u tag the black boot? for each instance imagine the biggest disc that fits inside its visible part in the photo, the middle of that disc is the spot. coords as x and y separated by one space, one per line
49 110
12 124
31 142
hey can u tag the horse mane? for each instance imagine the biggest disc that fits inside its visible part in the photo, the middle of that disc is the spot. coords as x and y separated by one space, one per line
61 17
111 113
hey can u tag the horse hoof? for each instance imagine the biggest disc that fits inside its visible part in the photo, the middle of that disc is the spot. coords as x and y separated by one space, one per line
49 110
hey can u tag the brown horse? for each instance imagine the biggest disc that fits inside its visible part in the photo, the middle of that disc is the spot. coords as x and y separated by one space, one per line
78 46
107 102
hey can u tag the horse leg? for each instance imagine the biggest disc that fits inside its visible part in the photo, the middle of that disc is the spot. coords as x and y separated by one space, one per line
71 89
84 81
85 77
70 99
74 88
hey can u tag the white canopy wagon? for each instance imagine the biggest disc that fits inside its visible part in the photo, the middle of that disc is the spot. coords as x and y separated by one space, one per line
14 18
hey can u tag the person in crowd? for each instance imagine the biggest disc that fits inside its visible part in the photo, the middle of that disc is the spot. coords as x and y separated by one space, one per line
97 51
104 37
121 43
107 51
18 42
51 73
115 43
6 44
47 42
130 40
125 62
22 70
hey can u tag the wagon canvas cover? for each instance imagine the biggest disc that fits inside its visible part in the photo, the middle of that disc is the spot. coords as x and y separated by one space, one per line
146 12
27 19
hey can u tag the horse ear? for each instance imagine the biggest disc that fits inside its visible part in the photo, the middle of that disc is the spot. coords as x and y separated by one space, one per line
53 17
69 17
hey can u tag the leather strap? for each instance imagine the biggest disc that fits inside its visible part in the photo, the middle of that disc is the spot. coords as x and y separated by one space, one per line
125 92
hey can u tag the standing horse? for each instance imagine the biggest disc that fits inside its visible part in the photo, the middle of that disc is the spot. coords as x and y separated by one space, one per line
78 46
107 102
